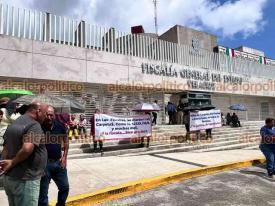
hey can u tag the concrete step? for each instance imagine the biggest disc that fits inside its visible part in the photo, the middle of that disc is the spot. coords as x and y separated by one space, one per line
171 133
230 147
156 150
106 149
255 147
221 140
162 142
213 132
222 129
196 146
168 140
244 123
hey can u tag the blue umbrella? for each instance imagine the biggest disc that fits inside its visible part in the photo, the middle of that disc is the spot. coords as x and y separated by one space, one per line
238 107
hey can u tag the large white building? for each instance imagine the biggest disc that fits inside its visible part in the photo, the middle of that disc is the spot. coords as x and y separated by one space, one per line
113 71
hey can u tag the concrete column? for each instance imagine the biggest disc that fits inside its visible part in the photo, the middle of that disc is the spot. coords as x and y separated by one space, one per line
1 19
79 34
46 28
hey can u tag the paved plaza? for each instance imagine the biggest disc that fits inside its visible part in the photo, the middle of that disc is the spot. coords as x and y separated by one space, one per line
87 175
242 187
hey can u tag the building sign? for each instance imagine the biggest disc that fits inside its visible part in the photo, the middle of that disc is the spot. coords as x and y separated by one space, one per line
204 80
202 120
196 44
109 127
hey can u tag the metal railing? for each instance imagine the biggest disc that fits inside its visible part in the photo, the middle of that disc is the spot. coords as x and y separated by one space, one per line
43 26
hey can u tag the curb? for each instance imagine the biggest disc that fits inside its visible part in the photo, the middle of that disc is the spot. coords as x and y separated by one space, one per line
130 188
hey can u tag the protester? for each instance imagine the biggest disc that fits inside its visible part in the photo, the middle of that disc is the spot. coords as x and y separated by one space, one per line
6 121
228 119
95 140
1 115
180 113
208 133
223 121
235 121
171 110
73 127
64 118
2 131
267 145
57 163
186 122
155 114
16 112
82 126
25 157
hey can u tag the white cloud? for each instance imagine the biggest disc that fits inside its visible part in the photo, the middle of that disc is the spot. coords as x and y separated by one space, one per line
233 17
244 16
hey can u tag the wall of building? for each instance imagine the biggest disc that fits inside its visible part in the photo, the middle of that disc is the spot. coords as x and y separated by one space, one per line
253 105
186 35
171 35
43 60
21 58
183 35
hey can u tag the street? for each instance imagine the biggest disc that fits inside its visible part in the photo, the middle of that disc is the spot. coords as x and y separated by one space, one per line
248 186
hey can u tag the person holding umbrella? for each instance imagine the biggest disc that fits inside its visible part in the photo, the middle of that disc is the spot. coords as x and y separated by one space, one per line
235 120
228 119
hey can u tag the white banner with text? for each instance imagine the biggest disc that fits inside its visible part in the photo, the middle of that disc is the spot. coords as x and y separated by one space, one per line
109 127
201 120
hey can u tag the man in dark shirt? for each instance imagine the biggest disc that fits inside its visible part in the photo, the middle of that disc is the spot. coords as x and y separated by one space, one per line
267 145
24 157
56 135
171 110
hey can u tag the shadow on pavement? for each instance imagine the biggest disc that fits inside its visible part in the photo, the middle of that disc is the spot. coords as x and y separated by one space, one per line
177 160
262 174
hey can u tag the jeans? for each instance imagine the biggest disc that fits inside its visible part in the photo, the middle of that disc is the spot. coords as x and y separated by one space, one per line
171 116
269 152
21 192
81 130
59 175
155 115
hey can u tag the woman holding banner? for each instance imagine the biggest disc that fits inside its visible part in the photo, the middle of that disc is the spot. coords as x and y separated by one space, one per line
95 140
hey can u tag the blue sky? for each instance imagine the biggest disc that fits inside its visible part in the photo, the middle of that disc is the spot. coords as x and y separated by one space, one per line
236 22
263 40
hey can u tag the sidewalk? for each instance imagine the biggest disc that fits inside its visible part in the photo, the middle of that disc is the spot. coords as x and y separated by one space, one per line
87 175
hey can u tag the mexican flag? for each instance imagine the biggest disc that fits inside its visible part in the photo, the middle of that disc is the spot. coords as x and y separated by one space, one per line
262 60
230 52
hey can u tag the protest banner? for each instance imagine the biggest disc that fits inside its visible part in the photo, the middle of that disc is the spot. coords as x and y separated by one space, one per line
202 120
109 127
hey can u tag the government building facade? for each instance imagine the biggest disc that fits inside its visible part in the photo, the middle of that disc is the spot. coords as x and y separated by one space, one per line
112 70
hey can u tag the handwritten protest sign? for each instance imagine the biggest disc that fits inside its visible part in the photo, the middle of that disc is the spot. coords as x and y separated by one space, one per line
202 120
113 127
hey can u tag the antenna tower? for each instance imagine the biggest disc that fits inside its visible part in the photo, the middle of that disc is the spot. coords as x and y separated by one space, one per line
156 16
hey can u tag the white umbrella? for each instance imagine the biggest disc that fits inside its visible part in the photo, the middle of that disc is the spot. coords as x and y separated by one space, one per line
146 107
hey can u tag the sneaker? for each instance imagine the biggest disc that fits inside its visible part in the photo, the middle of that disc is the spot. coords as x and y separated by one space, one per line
270 175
